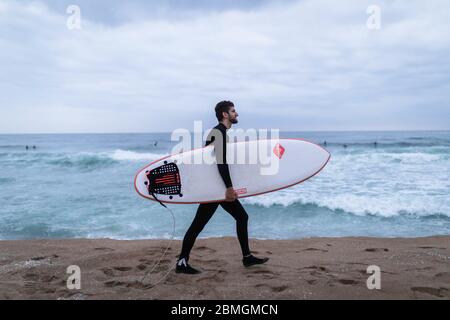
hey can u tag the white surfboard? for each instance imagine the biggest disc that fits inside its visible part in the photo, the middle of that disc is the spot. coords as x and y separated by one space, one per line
256 167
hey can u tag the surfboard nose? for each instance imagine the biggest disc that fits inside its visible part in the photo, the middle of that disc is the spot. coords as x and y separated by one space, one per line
325 153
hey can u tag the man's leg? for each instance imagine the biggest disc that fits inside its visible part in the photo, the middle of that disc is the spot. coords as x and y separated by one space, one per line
238 212
204 214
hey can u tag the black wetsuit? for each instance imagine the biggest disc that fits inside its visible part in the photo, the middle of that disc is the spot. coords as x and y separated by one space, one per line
206 211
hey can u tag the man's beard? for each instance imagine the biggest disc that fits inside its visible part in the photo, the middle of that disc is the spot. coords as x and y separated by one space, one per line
234 121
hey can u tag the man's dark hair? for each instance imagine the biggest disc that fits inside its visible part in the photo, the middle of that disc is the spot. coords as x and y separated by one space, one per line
223 106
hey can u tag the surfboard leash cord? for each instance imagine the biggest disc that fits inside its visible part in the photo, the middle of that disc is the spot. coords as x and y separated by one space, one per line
165 251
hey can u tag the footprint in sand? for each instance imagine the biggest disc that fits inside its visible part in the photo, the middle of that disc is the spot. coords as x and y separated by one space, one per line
164 261
317 268
443 275
213 261
74 296
38 258
40 277
348 281
48 290
113 283
316 249
272 288
420 269
133 284
156 252
213 278
142 266
107 271
54 256
103 249
377 249
261 271
146 263
153 261
279 289
257 273
204 248
31 277
138 285
175 279
437 292
316 271
49 278
34 288
38 283
110 271
364 272
122 269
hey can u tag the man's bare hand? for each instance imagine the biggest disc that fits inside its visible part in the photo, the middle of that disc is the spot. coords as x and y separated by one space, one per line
230 195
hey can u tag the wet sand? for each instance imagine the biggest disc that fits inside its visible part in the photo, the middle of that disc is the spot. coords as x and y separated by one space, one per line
315 268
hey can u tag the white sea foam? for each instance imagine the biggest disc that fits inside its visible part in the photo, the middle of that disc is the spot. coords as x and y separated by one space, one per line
125 155
372 184
361 205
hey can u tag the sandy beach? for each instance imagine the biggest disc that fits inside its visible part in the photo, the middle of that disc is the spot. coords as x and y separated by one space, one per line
314 268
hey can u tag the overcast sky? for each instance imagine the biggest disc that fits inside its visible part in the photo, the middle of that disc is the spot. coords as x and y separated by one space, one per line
148 66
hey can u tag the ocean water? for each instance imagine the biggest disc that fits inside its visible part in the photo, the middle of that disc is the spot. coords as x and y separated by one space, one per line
81 186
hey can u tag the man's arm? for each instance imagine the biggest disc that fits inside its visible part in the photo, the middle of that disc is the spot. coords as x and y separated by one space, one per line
220 144
224 170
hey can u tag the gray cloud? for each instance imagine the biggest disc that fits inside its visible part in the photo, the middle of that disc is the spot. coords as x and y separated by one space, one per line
307 65
116 12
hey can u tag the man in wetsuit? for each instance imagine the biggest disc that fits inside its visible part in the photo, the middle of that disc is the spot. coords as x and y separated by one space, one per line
227 116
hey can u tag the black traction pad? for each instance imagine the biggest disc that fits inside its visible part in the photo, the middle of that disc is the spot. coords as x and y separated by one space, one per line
164 180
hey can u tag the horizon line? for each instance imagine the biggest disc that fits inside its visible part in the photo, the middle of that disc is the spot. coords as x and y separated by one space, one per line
168 132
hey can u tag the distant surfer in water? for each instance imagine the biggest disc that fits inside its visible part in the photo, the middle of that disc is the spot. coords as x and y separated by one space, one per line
227 116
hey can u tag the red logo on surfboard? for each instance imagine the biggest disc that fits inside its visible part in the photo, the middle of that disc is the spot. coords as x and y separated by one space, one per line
241 191
279 150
